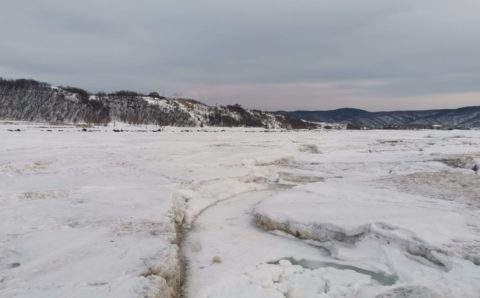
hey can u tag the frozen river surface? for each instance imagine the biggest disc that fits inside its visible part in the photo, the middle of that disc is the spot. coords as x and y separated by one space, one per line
238 213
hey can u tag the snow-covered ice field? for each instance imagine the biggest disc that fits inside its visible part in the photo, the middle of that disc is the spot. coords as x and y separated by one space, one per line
238 212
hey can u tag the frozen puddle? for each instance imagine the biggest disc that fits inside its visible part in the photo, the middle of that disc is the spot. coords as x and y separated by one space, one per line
380 277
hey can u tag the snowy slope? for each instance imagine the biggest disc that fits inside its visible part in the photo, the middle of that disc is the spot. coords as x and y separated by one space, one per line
28 100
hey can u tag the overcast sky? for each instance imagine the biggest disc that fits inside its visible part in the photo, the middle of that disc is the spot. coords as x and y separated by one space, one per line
268 54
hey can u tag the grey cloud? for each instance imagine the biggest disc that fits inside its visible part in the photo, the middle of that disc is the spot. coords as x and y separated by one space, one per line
417 49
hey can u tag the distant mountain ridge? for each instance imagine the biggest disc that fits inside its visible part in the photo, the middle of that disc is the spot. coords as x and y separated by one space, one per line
467 117
30 100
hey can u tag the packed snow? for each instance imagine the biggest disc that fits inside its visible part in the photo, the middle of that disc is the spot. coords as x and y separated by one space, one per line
237 212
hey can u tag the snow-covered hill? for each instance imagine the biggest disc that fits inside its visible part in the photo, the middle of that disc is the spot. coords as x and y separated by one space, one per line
30 100
467 117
